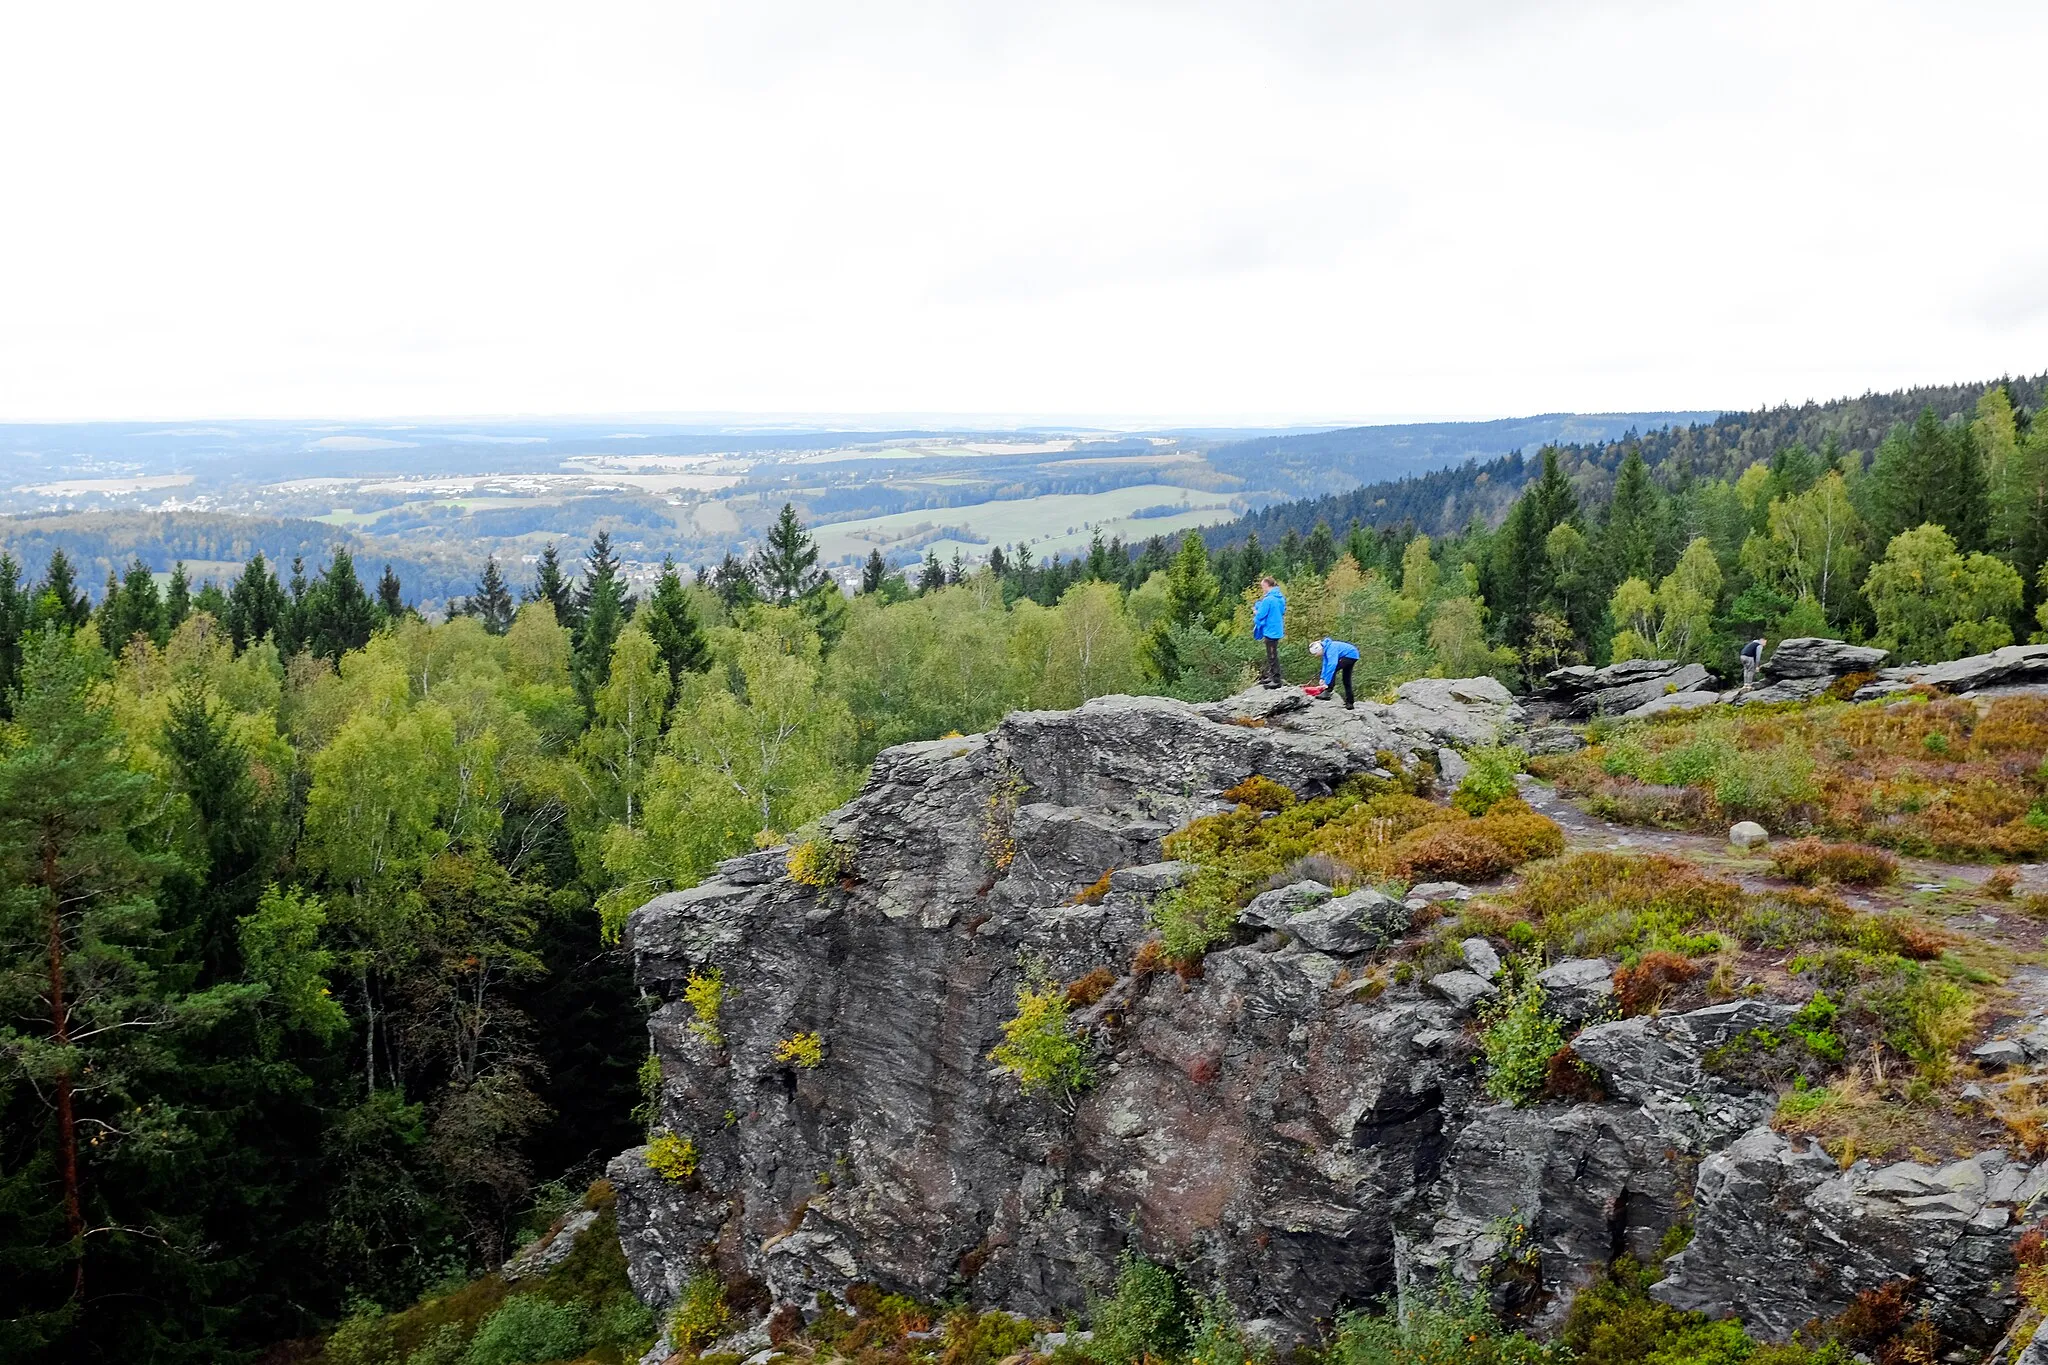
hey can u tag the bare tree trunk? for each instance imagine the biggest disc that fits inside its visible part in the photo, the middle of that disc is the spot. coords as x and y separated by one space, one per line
67 1125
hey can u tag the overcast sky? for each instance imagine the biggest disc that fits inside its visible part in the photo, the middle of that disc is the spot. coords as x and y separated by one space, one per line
1255 212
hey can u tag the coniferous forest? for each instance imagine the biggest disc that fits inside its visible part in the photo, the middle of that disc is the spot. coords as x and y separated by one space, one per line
313 1000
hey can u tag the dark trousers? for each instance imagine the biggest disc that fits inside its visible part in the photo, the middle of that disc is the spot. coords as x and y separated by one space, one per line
1344 676
1271 676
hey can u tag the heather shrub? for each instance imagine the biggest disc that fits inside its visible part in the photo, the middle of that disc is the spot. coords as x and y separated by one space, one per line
1651 981
1260 793
1596 904
1812 860
1457 852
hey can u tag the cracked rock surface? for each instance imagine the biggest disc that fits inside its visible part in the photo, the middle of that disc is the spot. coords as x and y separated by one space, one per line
1290 1127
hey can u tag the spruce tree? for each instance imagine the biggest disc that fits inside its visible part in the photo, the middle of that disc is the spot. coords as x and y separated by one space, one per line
1629 537
551 587
956 573
177 598
492 601
1288 555
1151 560
601 612
293 623
787 562
876 569
1930 472
1321 547
932 576
58 599
1251 559
733 583
1516 578
256 606
672 625
390 596
338 615
15 607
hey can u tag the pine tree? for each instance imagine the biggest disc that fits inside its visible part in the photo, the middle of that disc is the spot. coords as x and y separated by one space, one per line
1288 555
76 991
672 625
390 596
787 562
256 606
177 598
876 569
933 576
956 572
551 587
1516 579
492 601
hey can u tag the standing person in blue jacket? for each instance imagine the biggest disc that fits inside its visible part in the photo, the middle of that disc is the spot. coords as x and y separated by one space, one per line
1269 623
1337 658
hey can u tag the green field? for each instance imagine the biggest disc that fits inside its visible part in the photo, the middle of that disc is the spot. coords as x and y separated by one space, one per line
1057 523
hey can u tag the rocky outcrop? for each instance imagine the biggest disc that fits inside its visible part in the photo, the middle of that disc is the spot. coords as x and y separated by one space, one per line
1804 667
1294 1127
1580 693
1784 1236
2014 665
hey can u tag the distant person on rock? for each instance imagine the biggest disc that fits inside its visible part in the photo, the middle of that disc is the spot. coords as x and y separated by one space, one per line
1338 658
1269 623
1752 657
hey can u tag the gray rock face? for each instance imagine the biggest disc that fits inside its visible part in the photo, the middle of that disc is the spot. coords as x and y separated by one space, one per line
1809 657
1580 693
1480 957
1783 1235
1457 710
1789 689
1288 1127
2012 664
552 1248
1674 701
1657 1063
1579 989
1276 909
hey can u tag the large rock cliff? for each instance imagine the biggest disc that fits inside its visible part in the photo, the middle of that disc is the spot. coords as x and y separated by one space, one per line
1287 1137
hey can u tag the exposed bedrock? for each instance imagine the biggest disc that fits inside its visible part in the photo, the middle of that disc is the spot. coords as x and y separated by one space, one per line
1282 1134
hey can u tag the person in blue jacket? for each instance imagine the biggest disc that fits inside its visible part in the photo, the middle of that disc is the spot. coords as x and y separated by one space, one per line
1269 623
1338 658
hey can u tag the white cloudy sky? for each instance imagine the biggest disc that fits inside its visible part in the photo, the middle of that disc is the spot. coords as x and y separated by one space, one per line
1257 211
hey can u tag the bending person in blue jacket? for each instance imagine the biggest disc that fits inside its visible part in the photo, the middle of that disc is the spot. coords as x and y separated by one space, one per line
1337 658
1269 623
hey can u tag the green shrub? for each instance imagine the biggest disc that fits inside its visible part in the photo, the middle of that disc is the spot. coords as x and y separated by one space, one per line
704 993
1040 1048
443 1347
1194 917
819 862
527 1329
1614 1321
985 1338
1491 779
623 1323
1925 1017
1443 1326
363 1338
806 1050
1519 1041
1145 1316
672 1157
700 1316
1216 1338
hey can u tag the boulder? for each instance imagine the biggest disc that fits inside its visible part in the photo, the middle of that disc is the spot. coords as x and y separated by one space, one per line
1451 766
1361 922
1581 693
1480 958
1150 879
1540 740
1808 656
1674 701
1431 892
2001 1052
1789 689
1457 710
1276 909
551 1248
1578 989
1462 989
1748 834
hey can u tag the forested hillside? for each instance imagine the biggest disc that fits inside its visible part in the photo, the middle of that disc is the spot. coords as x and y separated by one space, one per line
1446 501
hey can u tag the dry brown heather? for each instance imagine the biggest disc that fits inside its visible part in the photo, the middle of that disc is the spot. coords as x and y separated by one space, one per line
1938 777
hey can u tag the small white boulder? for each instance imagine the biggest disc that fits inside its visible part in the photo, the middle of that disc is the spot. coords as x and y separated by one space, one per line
1748 834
